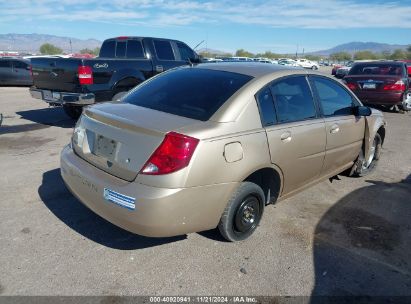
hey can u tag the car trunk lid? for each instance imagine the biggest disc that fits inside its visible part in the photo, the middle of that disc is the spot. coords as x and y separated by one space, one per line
375 83
120 138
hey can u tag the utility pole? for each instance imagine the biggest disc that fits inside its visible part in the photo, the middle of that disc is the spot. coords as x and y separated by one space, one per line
71 47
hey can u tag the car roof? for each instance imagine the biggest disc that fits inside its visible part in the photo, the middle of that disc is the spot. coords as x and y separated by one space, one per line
381 62
140 38
14 58
253 69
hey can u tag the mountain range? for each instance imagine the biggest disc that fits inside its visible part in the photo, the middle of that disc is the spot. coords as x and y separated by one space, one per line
353 47
31 43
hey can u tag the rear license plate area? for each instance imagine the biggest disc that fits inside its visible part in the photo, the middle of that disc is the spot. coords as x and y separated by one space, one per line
369 86
104 147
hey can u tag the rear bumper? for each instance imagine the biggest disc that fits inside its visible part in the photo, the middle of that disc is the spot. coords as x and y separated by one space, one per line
61 98
381 98
158 212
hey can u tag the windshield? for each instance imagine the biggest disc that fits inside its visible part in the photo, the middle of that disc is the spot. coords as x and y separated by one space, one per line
189 92
376 69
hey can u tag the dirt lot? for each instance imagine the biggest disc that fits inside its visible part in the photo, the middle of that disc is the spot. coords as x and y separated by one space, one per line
351 236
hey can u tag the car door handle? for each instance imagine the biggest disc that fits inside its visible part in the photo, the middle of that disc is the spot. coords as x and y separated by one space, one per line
334 129
286 137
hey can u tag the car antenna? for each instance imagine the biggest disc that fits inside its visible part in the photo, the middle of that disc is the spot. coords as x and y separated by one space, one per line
198 45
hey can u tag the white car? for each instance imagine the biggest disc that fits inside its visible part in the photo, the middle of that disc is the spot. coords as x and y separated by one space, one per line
307 64
288 62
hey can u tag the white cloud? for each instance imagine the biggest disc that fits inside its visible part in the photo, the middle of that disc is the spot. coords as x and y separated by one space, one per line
321 14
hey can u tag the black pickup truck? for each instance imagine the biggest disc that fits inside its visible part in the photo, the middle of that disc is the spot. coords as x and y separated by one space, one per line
123 63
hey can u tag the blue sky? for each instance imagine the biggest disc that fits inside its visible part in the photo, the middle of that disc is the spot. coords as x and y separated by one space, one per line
258 26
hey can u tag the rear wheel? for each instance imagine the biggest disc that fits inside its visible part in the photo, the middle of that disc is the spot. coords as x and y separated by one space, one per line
314 67
242 213
406 103
73 112
364 166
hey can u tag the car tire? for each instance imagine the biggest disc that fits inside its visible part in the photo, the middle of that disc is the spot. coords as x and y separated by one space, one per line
73 112
242 213
314 67
362 166
118 95
406 103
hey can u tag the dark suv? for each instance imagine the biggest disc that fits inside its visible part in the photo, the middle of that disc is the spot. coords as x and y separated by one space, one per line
384 83
15 71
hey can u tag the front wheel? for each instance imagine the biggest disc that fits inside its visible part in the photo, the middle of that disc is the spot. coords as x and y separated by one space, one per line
364 166
242 213
314 67
73 112
406 103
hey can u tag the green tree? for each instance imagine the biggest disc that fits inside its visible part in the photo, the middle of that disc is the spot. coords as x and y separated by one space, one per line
312 57
243 53
50 49
214 55
269 55
398 54
385 54
95 51
340 56
365 55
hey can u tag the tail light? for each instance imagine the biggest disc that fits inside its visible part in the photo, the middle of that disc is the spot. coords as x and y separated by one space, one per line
398 86
30 68
352 86
85 75
173 154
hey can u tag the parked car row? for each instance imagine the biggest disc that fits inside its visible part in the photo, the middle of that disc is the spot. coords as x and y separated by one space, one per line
282 61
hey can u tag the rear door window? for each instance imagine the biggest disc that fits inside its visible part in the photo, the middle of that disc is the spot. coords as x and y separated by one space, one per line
334 99
293 99
164 50
135 49
266 107
189 92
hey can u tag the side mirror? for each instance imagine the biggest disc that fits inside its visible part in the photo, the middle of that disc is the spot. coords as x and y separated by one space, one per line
362 111
196 59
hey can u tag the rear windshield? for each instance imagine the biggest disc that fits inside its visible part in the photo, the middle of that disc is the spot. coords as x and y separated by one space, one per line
122 49
188 92
377 69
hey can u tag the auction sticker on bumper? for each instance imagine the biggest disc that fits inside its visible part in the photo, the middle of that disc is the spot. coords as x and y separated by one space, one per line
119 199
